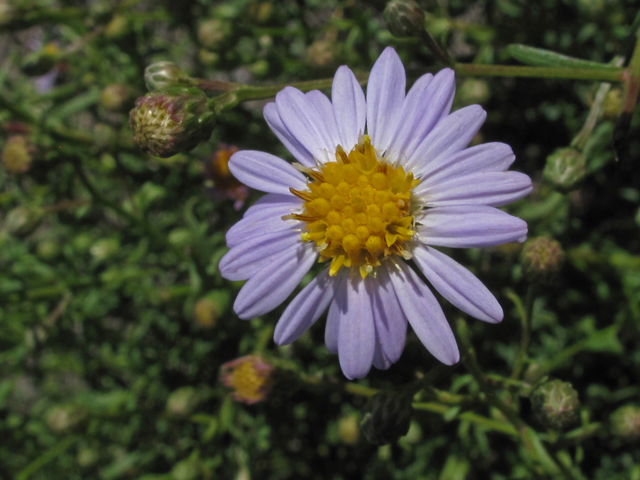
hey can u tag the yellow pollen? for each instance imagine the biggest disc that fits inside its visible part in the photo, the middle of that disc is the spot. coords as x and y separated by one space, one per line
358 210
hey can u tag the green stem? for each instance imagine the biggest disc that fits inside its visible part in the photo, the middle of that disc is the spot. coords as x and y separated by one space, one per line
525 339
605 74
485 422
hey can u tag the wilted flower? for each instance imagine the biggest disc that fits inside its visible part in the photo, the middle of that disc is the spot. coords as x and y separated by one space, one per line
368 203
171 122
250 377
221 183
542 258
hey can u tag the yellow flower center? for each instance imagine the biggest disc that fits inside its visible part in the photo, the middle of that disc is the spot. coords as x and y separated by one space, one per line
248 383
357 209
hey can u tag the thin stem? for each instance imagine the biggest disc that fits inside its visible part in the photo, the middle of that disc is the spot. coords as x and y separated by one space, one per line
605 75
485 422
525 338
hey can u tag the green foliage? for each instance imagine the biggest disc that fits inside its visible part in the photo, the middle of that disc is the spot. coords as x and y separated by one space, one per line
114 319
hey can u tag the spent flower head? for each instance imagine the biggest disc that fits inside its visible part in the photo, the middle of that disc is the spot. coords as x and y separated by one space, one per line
250 378
380 181
167 123
542 258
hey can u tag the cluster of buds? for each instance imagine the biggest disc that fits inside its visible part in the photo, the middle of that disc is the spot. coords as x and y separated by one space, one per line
555 404
387 417
167 123
565 168
542 258
249 377
220 183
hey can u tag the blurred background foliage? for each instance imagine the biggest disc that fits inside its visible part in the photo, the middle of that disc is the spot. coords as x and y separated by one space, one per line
114 320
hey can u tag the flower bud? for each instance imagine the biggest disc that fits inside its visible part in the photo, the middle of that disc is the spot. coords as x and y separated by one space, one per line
625 422
165 124
117 97
17 154
555 404
23 220
387 417
474 91
542 258
348 429
565 168
62 418
181 402
250 377
208 309
163 75
404 18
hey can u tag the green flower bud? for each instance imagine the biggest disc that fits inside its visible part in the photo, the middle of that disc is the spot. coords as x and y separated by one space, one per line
387 417
555 404
348 429
17 154
165 124
404 18
23 220
117 97
474 90
565 168
613 103
164 75
625 422
542 258
181 402
62 418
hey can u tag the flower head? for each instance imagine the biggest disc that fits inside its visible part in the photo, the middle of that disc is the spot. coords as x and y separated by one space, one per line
250 377
381 181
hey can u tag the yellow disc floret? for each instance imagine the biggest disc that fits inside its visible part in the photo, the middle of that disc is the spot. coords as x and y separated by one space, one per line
357 209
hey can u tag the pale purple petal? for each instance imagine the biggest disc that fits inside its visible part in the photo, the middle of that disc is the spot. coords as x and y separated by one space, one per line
266 172
349 107
272 116
385 93
356 340
380 360
390 322
270 286
264 219
470 226
486 188
246 259
332 329
307 126
449 136
424 314
325 109
488 157
305 308
422 110
458 285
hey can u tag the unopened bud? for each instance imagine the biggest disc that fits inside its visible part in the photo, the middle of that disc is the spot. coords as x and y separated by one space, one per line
625 422
348 429
208 309
542 258
181 402
23 220
17 154
62 418
387 417
555 404
404 18
250 377
565 168
474 90
165 124
117 97
164 75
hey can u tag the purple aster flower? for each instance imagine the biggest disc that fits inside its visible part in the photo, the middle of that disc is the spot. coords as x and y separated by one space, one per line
380 181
